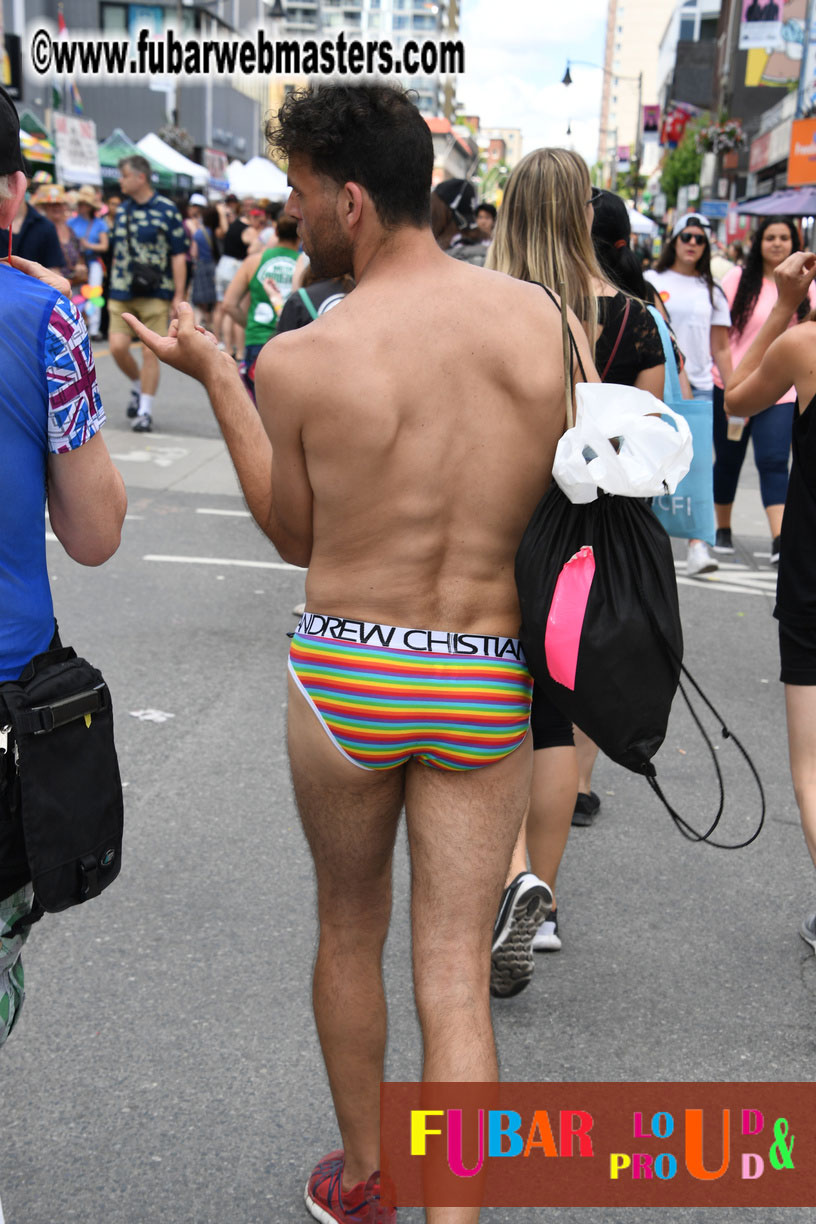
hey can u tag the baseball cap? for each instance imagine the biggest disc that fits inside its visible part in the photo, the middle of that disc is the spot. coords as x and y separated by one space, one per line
11 157
198 198
690 219
460 197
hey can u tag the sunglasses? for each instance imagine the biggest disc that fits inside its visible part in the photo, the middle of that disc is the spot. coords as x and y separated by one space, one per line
594 197
694 239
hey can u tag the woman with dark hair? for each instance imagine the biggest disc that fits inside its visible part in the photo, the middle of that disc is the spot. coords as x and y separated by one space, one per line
628 348
751 294
777 355
700 317
204 251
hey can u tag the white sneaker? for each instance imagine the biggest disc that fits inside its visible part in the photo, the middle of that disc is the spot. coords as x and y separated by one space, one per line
546 938
699 560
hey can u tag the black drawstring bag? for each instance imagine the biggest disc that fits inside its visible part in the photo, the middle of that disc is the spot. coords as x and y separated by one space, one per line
627 669
601 625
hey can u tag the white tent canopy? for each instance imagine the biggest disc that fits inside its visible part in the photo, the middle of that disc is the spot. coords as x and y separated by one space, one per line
259 179
153 146
641 225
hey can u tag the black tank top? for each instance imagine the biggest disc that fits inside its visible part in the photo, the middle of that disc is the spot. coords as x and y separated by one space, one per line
796 583
232 244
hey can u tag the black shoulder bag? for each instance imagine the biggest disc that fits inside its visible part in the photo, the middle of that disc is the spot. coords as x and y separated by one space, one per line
145 279
60 775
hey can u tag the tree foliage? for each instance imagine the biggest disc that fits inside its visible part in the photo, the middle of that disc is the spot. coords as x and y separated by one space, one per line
682 166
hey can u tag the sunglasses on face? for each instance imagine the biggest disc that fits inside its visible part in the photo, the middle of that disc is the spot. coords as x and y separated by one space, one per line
694 239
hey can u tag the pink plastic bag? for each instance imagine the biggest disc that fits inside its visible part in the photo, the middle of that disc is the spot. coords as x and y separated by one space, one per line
566 617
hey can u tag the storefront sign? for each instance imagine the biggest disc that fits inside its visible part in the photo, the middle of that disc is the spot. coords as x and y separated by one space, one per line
77 150
761 24
802 158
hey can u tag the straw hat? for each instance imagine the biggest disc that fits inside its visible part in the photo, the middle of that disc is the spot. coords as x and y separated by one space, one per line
49 193
87 195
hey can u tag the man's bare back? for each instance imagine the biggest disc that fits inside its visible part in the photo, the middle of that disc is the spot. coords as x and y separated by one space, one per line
429 405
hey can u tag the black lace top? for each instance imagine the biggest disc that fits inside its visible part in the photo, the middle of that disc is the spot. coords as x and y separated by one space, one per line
639 348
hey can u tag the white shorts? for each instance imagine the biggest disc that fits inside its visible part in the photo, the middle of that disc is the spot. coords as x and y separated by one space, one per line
225 270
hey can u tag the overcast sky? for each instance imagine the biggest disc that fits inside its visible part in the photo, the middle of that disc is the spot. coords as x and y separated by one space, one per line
515 55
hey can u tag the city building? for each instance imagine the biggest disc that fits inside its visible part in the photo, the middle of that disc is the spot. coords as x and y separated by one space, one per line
222 115
687 55
633 31
396 20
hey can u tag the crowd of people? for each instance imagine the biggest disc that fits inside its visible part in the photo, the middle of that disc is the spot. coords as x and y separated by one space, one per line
369 453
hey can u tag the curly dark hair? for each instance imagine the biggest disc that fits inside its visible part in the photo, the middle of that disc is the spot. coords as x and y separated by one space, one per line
750 283
667 256
367 134
611 232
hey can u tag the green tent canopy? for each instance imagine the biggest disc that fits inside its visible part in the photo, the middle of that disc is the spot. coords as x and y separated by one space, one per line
118 145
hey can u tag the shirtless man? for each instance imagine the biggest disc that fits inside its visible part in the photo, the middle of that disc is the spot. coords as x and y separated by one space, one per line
398 451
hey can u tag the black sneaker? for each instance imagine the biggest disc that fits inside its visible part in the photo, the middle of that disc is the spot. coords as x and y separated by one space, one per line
722 541
777 540
586 809
143 423
524 906
133 405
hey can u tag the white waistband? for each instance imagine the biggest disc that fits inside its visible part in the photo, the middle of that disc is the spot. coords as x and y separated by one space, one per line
418 641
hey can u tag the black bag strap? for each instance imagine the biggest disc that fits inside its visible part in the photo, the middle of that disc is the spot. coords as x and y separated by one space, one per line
612 355
649 770
34 915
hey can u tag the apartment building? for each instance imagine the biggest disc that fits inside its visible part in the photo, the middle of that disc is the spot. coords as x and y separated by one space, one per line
633 32
396 20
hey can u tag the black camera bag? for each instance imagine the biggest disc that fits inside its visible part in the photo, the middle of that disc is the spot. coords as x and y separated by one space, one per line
61 773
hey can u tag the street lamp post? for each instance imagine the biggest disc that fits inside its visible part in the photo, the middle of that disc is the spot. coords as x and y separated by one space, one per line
567 80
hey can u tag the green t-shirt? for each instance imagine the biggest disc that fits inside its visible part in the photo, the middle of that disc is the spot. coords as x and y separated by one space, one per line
278 265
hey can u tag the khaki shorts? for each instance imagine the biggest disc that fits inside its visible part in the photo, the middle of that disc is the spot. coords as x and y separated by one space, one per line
153 312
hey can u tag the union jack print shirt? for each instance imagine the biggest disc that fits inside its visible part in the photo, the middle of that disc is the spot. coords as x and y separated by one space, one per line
75 409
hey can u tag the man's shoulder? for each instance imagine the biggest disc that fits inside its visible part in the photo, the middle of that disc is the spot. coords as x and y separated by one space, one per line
159 205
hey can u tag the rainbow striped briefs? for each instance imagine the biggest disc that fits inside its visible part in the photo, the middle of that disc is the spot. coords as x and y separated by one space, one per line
384 695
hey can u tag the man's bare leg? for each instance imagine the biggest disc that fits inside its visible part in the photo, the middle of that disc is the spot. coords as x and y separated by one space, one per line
121 354
350 818
461 829
150 372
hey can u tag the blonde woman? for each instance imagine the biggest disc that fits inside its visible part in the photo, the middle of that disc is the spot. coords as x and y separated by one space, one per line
544 234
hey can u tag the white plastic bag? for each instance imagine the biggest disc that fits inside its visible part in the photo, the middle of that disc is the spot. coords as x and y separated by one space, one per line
653 456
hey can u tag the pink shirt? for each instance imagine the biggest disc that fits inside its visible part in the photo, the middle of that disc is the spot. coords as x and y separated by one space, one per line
762 308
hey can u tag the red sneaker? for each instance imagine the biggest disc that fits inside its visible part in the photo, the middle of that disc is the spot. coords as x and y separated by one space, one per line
327 1201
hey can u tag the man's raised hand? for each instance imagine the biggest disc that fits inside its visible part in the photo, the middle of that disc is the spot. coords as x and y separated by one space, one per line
186 347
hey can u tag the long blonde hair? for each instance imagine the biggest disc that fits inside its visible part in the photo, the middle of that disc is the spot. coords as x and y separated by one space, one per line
542 233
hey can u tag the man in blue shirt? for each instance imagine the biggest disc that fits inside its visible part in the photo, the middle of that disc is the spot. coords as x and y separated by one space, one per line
51 452
148 278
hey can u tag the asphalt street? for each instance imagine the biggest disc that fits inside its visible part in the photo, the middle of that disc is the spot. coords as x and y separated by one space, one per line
166 1068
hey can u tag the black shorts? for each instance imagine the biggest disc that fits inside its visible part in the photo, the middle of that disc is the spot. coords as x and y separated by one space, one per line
797 654
549 726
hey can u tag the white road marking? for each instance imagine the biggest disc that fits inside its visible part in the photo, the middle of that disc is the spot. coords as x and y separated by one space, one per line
157 716
273 565
161 456
225 513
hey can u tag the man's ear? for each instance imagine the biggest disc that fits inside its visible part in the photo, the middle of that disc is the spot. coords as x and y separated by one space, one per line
8 208
353 199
